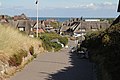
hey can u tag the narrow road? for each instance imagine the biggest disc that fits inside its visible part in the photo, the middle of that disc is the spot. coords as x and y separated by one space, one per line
60 65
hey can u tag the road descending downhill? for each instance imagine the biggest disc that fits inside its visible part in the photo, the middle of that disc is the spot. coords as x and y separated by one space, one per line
60 65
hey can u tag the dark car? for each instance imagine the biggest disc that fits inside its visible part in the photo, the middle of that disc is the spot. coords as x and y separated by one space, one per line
82 54
73 50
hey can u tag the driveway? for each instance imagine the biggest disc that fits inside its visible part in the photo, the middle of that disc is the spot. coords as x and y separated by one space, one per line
60 65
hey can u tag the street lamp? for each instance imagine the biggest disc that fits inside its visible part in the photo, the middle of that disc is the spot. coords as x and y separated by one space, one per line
37 3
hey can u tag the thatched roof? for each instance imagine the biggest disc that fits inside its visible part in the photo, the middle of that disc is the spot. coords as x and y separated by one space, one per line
92 25
24 23
85 25
64 28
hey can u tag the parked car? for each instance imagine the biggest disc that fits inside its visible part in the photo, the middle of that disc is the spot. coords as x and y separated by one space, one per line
73 49
82 54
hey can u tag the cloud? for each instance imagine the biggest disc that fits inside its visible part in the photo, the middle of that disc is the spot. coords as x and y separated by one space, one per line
94 6
106 9
108 3
0 4
80 6
67 7
18 7
63 12
76 12
91 5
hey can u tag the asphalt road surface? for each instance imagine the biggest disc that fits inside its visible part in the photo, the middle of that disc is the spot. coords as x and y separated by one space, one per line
60 65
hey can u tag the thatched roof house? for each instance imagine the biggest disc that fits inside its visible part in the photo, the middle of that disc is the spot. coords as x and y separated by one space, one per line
20 17
22 25
92 26
79 27
3 19
41 27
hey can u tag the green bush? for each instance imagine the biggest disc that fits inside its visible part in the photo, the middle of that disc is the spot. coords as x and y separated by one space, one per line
54 24
15 60
63 40
35 55
56 46
48 45
23 52
46 42
31 50
106 39
104 50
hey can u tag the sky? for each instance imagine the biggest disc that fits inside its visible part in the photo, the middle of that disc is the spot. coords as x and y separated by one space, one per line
60 8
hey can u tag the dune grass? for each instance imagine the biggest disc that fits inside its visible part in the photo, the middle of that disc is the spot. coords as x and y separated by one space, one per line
11 41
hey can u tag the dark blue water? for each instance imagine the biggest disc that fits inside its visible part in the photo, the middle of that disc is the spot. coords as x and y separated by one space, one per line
45 18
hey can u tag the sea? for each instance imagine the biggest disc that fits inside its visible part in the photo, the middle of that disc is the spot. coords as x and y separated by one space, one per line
60 19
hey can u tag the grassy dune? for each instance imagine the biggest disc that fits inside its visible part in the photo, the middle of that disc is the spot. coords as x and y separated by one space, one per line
11 41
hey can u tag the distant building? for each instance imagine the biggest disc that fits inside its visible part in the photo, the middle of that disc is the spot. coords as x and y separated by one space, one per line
79 28
89 26
22 23
41 28
20 17
3 19
92 19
